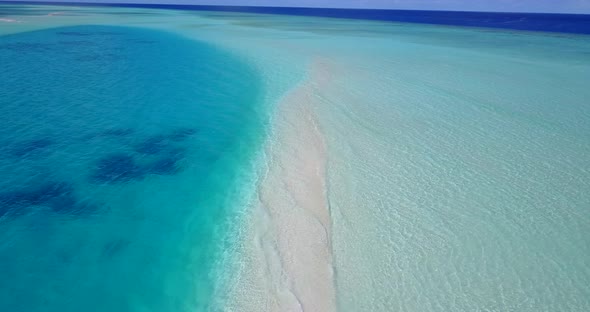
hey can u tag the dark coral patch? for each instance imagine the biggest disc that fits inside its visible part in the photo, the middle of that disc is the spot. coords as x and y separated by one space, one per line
117 168
153 145
59 196
27 148
162 143
72 206
181 134
46 193
168 164
163 166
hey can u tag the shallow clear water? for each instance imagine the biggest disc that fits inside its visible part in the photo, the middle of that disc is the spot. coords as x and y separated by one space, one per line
471 165
118 150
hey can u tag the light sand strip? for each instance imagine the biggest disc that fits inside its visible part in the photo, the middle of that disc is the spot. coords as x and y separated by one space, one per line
290 264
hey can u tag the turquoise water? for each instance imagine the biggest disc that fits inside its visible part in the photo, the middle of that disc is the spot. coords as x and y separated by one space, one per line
119 149
457 164
468 151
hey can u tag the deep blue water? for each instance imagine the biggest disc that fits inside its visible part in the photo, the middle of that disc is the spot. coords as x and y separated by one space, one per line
118 152
566 23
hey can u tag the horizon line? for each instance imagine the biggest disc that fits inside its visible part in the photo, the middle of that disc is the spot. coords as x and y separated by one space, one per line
123 4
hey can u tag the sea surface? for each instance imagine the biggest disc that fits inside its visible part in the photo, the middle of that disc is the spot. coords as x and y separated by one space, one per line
119 147
135 142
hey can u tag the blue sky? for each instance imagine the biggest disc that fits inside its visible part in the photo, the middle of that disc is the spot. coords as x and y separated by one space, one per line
569 6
